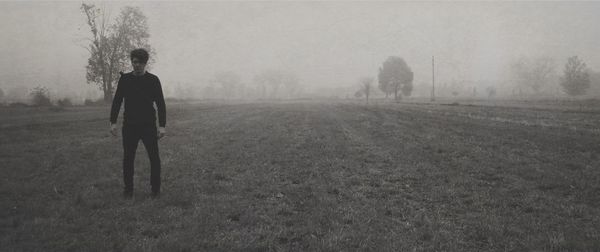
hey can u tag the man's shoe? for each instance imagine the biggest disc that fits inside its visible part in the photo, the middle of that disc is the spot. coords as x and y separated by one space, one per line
155 194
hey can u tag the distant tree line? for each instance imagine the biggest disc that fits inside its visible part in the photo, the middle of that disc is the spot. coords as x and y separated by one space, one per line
534 76
112 40
268 84
40 96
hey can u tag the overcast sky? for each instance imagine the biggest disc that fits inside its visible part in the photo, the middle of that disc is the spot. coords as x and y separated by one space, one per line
324 43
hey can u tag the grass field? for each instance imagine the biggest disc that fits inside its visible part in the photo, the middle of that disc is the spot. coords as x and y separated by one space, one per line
307 176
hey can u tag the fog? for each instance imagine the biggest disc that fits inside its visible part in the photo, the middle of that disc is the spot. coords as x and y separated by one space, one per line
327 45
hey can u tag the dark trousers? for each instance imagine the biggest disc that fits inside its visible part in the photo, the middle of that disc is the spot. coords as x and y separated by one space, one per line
131 137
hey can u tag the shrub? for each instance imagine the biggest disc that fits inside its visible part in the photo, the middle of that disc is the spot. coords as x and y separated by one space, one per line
576 79
90 102
40 96
18 105
65 102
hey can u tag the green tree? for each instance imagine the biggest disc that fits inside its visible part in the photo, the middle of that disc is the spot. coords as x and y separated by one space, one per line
576 79
394 76
111 43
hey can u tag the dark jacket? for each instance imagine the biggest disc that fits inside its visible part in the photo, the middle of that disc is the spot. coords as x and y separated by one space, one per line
139 93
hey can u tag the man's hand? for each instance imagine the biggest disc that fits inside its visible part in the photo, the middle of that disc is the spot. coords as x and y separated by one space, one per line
113 129
161 132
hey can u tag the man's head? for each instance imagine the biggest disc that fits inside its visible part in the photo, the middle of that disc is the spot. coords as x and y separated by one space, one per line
139 58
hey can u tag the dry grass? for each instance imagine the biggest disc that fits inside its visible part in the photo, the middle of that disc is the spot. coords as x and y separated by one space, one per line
307 176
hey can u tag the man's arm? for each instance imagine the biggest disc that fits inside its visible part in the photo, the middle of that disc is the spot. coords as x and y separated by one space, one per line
162 109
160 105
116 105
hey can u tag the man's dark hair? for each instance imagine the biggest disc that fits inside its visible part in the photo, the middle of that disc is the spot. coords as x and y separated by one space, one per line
140 54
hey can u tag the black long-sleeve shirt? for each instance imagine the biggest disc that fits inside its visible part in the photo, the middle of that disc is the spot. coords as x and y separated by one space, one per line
139 92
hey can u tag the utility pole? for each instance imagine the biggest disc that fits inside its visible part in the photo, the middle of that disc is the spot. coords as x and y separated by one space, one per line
432 78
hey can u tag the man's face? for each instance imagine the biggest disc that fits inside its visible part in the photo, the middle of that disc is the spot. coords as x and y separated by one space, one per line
138 65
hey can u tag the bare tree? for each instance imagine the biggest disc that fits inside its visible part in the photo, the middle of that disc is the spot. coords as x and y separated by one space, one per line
366 85
291 85
277 84
533 73
110 44
40 96
268 82
576 79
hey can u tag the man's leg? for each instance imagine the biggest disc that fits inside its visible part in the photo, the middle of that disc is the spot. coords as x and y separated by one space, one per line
130 143
150 140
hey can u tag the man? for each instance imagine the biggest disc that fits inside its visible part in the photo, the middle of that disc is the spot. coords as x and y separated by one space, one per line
140 90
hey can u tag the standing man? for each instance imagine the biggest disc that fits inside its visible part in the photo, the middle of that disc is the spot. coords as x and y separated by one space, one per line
140 90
